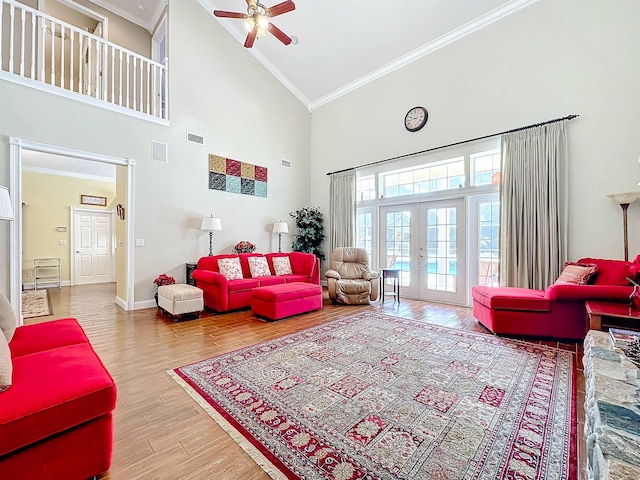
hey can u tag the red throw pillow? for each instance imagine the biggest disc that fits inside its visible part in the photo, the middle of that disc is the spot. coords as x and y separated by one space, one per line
610 272
576 273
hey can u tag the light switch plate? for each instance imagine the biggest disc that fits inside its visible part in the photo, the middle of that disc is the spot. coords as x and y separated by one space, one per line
139 242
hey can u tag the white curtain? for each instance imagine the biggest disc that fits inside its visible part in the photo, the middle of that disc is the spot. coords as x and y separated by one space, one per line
343 210
533 202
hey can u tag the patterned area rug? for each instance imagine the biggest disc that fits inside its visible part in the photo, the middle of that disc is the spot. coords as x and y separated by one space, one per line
373 396
36 303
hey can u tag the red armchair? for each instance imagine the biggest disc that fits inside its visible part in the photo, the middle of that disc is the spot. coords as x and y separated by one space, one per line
223 295
558 311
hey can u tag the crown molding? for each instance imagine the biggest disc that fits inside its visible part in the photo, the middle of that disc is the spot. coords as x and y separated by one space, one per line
440 42
61 173
107 5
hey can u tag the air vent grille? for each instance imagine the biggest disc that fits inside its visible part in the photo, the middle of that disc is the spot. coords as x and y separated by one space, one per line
285 163
195 138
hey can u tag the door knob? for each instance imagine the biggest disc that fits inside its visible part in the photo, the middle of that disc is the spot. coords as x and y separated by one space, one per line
77 251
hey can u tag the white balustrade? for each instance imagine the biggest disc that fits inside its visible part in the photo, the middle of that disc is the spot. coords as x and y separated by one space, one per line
44 49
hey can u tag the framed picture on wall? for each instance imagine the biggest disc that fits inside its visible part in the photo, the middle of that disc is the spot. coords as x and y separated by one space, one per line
93 200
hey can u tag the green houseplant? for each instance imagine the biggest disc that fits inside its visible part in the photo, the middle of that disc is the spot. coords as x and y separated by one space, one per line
309 221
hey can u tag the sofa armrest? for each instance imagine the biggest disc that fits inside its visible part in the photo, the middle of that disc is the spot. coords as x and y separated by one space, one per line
207 276
573 293
332 274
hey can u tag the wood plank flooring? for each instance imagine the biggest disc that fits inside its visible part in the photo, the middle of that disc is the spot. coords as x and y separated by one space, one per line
159 431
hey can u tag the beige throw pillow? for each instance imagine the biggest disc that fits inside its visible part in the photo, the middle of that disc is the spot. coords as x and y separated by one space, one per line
259 267
230 268
6 368
7 318
576 273
282 266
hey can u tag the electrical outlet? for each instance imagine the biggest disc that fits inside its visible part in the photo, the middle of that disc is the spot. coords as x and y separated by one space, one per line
63 242
139 242
29 273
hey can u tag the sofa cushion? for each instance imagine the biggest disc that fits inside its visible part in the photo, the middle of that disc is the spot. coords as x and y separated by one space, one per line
47 335
58 389
272 280
242 284
610 272
6 367
230 268
7 318
302 263
282 266
511 298
576 273
295 278
259 267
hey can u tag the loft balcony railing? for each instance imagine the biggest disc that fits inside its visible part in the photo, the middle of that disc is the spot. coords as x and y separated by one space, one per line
42 49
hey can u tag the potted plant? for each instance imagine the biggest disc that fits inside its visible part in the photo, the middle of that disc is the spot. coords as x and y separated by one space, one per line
309 221
160 280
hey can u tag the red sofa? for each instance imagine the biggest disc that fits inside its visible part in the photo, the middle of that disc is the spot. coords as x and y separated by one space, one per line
55 419
223 295
558 311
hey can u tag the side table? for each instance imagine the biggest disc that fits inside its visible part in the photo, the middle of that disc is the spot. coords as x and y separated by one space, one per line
612 315
394 276
191 266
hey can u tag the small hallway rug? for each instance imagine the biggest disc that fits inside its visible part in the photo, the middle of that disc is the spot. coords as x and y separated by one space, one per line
372 396
36 303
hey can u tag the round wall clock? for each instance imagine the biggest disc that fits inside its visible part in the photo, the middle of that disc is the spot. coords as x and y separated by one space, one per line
416 118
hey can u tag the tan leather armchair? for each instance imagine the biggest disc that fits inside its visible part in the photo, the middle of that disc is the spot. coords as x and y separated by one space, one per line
350 281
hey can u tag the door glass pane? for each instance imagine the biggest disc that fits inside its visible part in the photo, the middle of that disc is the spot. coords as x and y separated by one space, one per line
488 237
398 226
363 233
441 249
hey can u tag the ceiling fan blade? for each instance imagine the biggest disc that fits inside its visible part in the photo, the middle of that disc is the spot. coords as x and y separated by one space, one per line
222 13
251 2
248 43
281 8
279 34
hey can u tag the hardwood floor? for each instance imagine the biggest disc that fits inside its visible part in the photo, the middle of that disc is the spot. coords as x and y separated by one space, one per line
159 431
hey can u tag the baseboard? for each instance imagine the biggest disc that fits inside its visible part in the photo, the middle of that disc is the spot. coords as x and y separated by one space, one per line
144 304
122 303
64 283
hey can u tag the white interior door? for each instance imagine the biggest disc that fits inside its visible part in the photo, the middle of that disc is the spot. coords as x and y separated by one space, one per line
93 256
443 252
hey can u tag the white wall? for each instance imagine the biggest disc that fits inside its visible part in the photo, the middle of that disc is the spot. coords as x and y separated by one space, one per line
217 90
550 59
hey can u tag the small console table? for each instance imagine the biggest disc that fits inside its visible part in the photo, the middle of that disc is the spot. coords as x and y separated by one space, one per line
191 266
394 276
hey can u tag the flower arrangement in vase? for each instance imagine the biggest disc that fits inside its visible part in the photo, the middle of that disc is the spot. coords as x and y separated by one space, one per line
634 298
160 280
244 247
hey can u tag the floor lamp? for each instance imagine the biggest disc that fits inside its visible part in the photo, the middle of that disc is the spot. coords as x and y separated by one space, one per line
280 228
212 224
624 200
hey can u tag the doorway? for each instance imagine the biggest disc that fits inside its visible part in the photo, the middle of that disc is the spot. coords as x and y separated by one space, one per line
125 296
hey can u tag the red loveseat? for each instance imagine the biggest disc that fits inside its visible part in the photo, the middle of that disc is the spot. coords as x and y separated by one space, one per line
223 295
558 311
55 419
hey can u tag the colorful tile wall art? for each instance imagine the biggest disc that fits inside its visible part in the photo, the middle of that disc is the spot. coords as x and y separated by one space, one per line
238 177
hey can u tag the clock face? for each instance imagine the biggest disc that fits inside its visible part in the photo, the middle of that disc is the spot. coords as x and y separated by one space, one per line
416 118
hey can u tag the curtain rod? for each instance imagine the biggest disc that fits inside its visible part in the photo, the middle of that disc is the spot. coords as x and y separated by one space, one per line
567 117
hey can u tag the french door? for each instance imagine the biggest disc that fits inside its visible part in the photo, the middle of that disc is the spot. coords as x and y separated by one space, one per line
426 242
442 252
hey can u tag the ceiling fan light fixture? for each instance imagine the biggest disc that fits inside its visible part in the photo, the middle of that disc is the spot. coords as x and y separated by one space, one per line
249 23
262 21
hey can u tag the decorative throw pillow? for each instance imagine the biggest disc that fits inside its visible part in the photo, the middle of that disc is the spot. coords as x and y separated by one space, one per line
6 368
259 267
230 268
576 273
7 318
282 266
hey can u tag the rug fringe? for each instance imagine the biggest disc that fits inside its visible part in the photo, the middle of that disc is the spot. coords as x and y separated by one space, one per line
252 451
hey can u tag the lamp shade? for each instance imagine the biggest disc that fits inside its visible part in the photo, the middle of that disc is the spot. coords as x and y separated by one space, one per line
211 223
6 211
622 198
280 227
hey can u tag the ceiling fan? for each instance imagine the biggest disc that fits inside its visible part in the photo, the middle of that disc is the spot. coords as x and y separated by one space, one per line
256 20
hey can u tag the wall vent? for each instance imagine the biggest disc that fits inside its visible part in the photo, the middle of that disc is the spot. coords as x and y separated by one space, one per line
159 152
195 138
285 163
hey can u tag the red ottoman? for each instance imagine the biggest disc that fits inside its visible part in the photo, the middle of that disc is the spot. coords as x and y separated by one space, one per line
286 299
